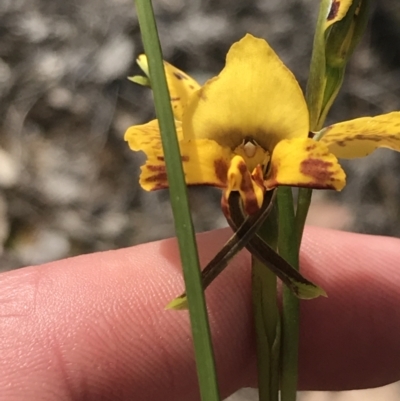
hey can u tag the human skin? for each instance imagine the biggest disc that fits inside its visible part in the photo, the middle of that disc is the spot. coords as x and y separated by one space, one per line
94 327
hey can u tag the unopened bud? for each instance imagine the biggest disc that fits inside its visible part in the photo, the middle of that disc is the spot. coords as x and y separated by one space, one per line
342 35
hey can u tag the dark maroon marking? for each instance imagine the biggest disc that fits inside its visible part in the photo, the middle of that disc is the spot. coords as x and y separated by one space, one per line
311 147
246 186
159 178
311 135
318 170
174 99
251 205
160 186
221 170
191 86
334 10
184 158
155 169
180 76
243 168
376 138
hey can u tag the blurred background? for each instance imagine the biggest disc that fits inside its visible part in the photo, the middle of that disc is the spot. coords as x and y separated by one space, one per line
69 183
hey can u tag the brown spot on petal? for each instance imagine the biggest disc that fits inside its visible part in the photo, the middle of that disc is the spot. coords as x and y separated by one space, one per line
243 168
309 148
175 99
221 170
250 203
160 185
153 168
246 184
184 158
334 10
375 137
180 75
320 171
160 179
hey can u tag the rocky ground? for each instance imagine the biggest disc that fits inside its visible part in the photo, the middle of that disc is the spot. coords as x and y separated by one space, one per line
68 182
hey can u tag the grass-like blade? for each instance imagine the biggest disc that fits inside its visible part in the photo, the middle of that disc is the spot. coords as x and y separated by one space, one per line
180 206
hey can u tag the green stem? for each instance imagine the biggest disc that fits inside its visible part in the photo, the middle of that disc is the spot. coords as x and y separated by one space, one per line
180 206
303 205
289 250
266 316
267 325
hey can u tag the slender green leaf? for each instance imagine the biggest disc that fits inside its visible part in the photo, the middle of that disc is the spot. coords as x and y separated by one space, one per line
180 206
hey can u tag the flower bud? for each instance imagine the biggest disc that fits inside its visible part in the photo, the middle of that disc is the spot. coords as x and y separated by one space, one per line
344 29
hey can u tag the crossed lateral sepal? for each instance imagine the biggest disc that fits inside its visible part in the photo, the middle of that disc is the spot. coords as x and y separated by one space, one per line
245 235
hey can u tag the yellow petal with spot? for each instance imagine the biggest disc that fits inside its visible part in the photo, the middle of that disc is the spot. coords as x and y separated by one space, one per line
360 137
337 11
255 96
240 179
204 161
181 86
304 163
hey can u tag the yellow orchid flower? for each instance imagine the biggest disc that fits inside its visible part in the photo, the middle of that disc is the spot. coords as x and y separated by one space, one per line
247 130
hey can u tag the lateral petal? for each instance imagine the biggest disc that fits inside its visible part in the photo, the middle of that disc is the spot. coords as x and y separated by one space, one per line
360 137
204 161
304 163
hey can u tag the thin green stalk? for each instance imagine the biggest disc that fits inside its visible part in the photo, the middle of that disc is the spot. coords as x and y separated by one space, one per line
266 316
267 325
303 205
180 206
289 250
